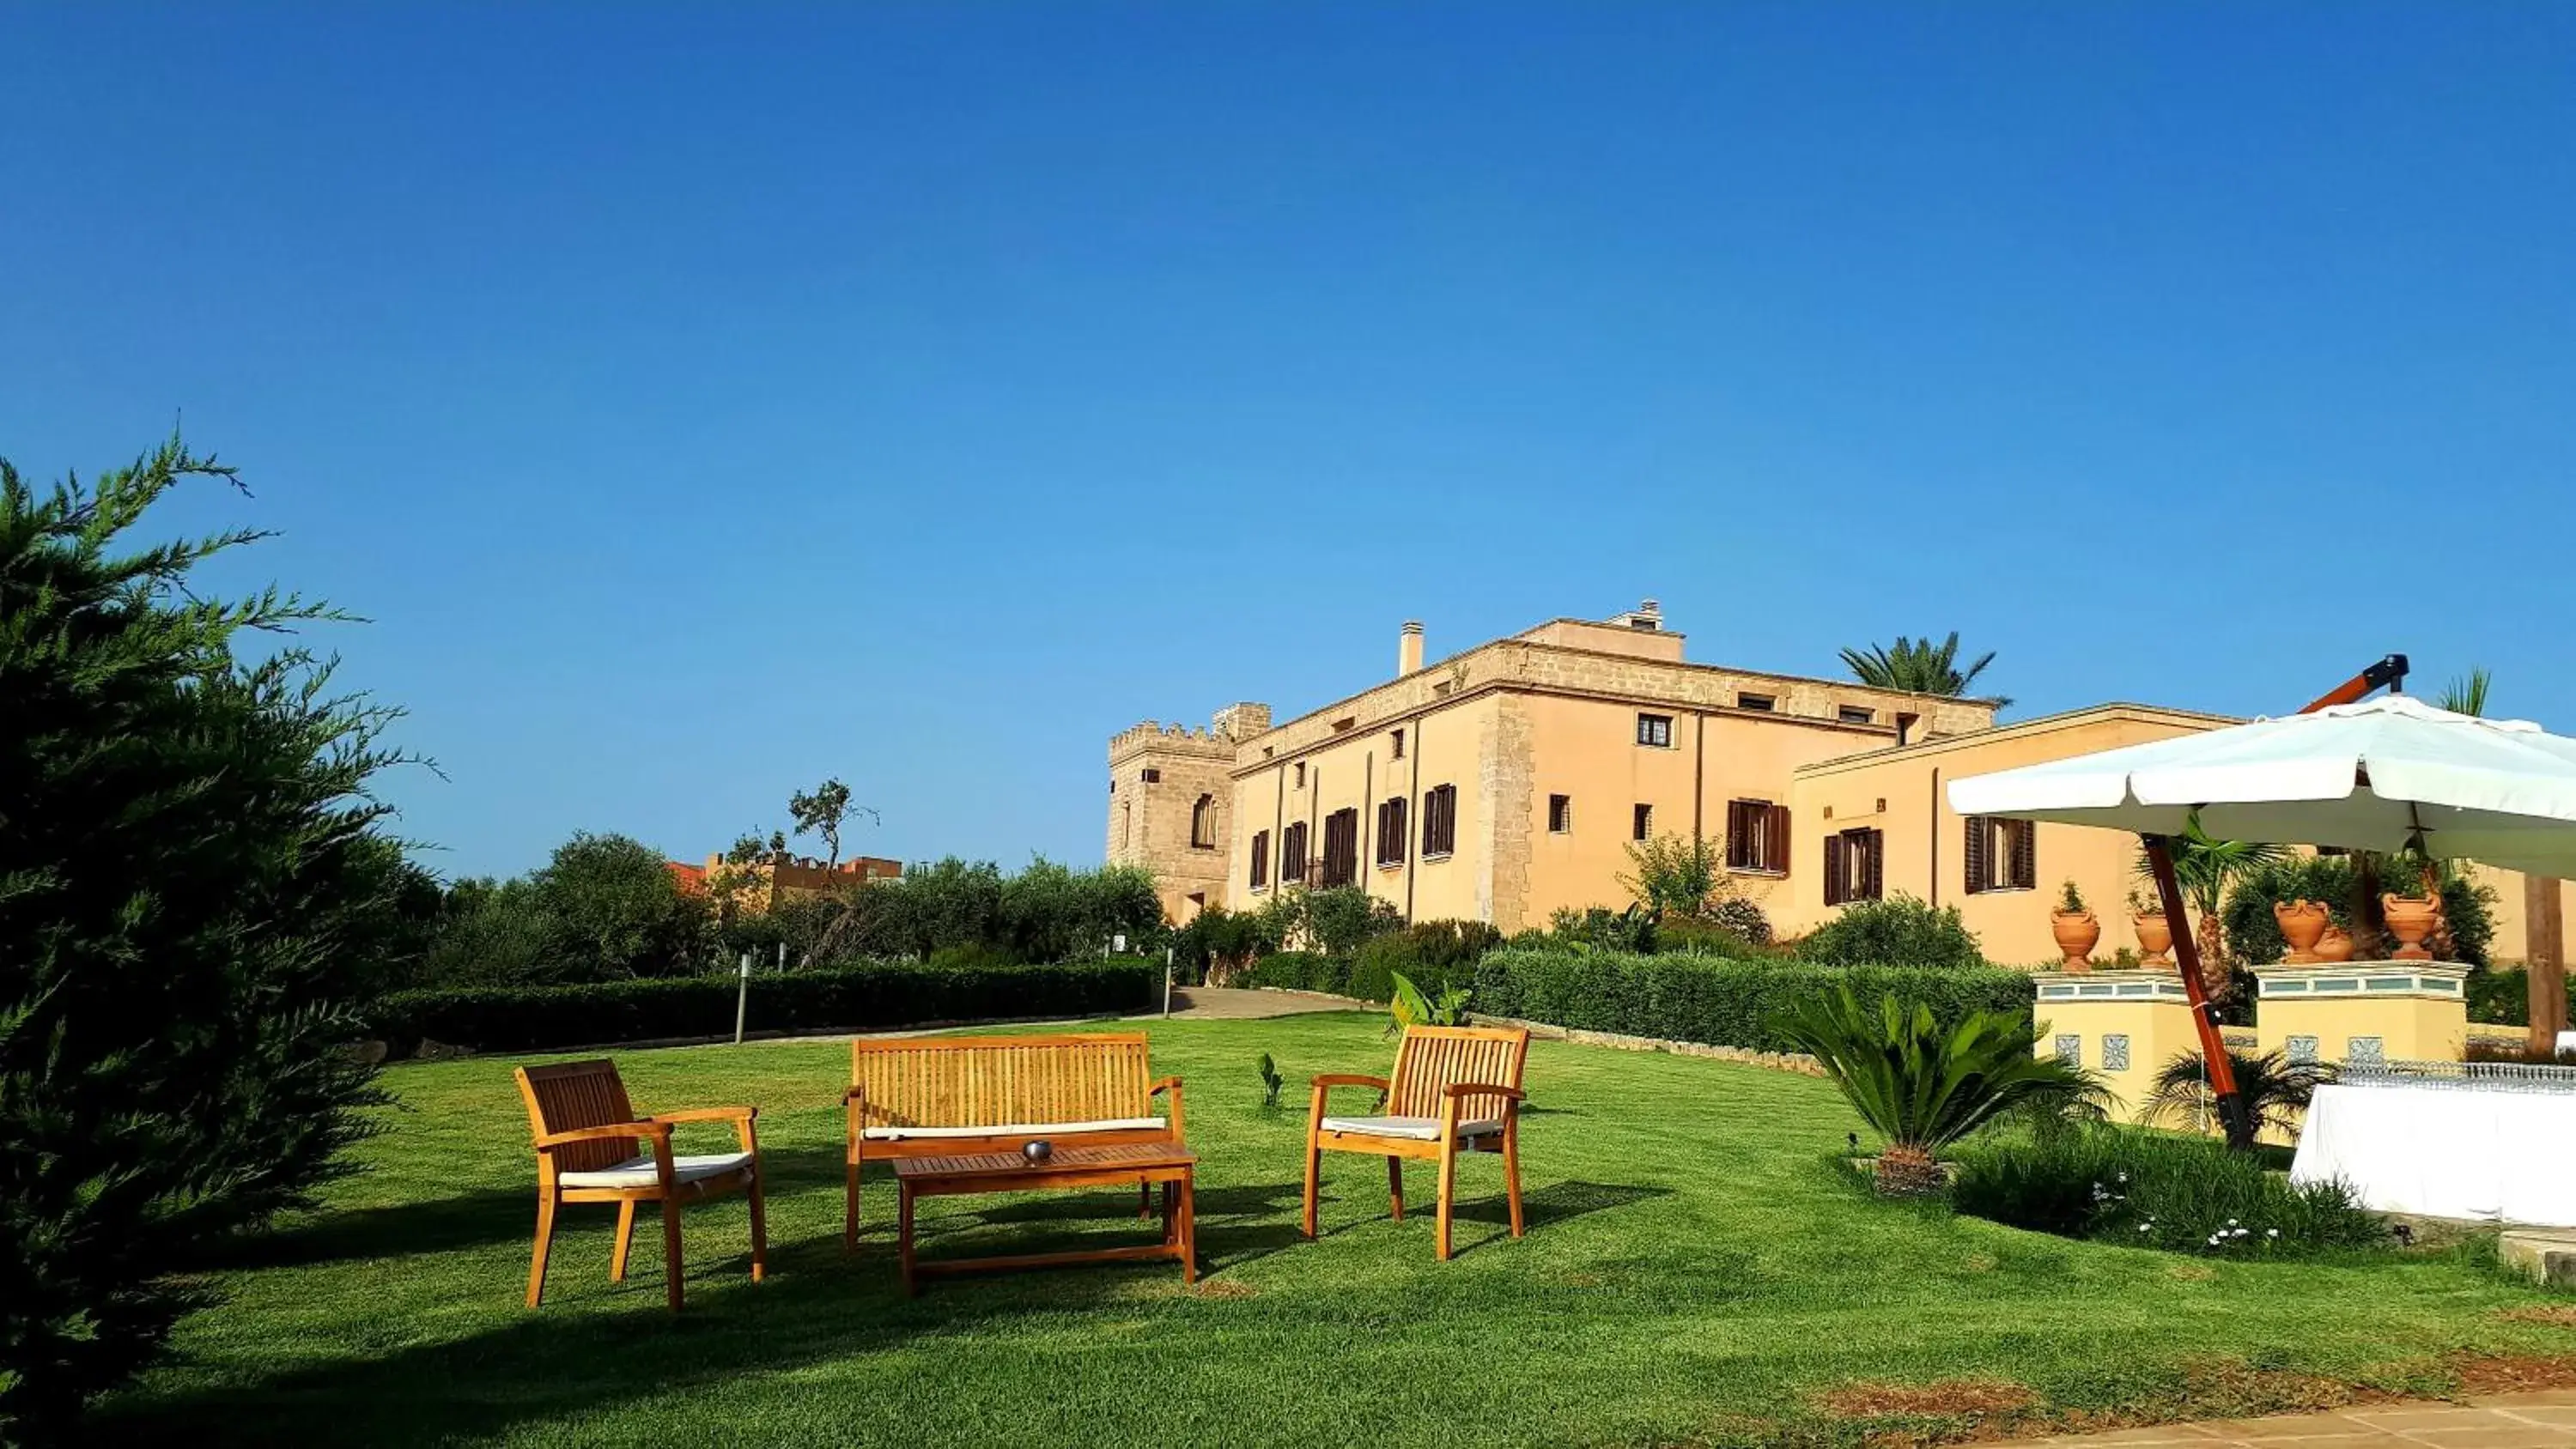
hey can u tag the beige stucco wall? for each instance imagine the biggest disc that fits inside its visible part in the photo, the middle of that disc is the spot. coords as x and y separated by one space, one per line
1903 793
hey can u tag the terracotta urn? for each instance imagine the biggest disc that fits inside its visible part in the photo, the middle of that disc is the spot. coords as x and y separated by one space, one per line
2302 922
2334 946
2077 932
2410 920
2155 941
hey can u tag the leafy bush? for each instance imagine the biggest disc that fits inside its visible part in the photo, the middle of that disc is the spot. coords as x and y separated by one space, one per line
1601 929
2275 1090
191 885
1219 939
2146 1189
1922 1085
1434 953
1900 930
2500 995
1708 999
850 998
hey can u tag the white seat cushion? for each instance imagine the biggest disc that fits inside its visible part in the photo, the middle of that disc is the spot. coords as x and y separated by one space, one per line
638 1171
1020 1131
1422 1129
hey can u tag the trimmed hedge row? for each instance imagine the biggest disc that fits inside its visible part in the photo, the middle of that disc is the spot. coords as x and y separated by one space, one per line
1370 976
1713 1000
850 998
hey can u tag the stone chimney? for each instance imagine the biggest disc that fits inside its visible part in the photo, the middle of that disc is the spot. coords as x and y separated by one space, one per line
1408 648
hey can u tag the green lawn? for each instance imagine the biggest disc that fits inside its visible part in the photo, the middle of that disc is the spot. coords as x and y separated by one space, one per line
1697 1269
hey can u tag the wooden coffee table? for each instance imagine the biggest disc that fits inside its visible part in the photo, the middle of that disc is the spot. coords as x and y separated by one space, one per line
1068 1167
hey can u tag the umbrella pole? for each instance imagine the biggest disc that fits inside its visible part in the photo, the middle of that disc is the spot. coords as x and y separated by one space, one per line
2186 949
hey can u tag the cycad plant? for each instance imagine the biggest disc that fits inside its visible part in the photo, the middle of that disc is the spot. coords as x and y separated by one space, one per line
1921 1085
2276 1090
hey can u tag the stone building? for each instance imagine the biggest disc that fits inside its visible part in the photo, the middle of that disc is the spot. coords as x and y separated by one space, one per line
1509 780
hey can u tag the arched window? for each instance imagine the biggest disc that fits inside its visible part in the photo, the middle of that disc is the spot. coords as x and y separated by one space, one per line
1203 823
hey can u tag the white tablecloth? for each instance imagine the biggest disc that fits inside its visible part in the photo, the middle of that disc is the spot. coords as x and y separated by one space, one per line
2449 1152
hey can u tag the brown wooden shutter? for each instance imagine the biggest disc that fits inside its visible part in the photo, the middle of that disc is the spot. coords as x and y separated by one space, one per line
2025 854
1833 870
1875 888
1775 841
1978 867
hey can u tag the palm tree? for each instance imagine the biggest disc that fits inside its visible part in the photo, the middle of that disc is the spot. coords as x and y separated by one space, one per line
2206 869
1923 1086
2275 1089
1919 666
2467 694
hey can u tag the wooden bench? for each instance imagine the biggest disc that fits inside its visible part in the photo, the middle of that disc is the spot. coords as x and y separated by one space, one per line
946 1096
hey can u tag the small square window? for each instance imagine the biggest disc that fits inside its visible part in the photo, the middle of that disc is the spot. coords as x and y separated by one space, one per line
1153 776
1398 737
1301 775
1655 730
1645 826
1854 714
1560 814
1760 703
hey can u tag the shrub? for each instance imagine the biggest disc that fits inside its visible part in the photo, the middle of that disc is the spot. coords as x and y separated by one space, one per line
1708 999
1601 929
1922 1085
2500 995
2254 935
2274 1090
1703 938
1302 971
2147 1189
848 998
191 882
1897 931
1435 954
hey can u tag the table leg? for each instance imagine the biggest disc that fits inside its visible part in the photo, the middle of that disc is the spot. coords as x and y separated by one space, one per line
1189 1225
904 1211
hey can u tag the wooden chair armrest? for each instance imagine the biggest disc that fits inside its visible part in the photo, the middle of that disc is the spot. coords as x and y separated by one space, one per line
610 1133
855 1094
1167 1084
1344 1079
1173 1086
705 1114
1472 1089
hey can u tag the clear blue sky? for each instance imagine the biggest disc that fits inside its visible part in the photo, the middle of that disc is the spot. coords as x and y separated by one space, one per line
704 400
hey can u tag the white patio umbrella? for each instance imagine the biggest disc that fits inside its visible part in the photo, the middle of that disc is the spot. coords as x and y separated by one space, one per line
2386 774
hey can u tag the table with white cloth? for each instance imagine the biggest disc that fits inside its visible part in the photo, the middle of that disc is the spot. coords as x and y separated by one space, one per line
2464 1150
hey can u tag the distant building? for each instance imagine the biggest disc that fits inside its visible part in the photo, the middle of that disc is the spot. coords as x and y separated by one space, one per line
764 883
1509 780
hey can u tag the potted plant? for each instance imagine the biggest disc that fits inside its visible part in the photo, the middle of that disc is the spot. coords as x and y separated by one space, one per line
2155 933
2302 922
2410 920
2334 946
2076 930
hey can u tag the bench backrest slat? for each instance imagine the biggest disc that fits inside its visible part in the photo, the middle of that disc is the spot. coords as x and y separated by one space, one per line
993 1081
1433 1058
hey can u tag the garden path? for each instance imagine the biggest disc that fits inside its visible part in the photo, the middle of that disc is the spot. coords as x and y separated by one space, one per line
2545 1420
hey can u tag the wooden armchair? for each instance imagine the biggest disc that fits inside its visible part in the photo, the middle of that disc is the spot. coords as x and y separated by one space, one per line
1455 1089
587 1136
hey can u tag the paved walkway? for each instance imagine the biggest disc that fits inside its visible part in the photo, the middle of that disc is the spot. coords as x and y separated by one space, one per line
2545 1420
1234 1003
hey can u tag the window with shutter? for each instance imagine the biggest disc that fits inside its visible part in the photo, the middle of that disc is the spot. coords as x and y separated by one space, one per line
1439 821
1260 859
1834 878
1390 832
2025 854
1292 855
1775 841
1873 885
1757 836
1976 856
1342 847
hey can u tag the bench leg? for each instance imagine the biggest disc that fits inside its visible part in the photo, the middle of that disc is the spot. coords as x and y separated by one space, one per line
1189 1226
903 1234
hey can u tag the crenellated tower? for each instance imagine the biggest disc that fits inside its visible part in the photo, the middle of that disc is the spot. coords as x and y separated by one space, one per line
1170 795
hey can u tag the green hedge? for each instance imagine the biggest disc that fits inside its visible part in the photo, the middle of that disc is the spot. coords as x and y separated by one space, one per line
1710 999
2501 996
1302 971
853 998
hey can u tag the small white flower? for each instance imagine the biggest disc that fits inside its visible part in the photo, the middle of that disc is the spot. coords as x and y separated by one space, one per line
2142 1227
2240 1232
2271 1232
2231 1222
2124 1177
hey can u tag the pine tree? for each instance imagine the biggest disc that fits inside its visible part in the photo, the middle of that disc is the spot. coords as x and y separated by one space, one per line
193 882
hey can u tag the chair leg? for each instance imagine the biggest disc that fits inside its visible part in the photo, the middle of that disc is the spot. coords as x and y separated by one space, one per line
760 1229
850 1221
1395 1185
1448 1190
671 1252
1144 1199
545 1244
625 1236
1512 1173
1314 1179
